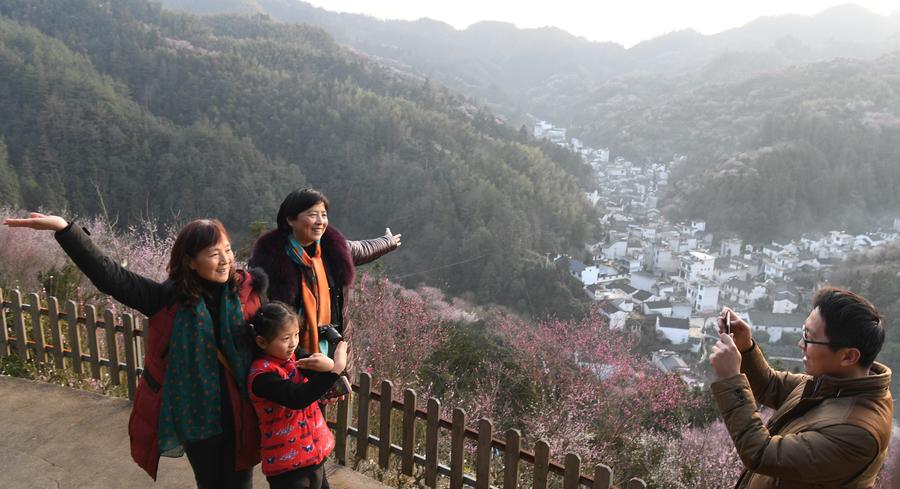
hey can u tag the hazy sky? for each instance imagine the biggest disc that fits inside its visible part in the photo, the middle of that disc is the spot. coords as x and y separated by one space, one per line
624 21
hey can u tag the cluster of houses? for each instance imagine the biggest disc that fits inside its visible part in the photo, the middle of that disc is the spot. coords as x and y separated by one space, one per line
678 276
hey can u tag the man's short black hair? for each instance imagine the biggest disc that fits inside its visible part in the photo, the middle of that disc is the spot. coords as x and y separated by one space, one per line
851 321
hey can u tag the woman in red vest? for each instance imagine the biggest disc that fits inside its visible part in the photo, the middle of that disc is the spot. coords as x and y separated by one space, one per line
192 397
295 440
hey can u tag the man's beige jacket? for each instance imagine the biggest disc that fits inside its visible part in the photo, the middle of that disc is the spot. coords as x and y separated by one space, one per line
825 432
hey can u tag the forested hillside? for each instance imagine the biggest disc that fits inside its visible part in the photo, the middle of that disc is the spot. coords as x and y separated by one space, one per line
173 117
806 148
74 136
783 115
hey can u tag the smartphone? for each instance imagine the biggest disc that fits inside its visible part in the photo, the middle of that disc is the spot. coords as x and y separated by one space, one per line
341 387
727 323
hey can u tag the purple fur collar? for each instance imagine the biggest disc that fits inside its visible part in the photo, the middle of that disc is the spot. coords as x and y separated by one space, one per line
269 254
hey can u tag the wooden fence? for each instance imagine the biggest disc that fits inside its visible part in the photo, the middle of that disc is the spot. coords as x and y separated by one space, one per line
48 334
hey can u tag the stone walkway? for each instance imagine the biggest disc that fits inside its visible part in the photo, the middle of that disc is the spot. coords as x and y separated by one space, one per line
53 437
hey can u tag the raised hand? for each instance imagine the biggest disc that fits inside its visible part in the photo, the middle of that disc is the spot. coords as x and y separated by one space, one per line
725 358
316 362
36 220
740 330
395 238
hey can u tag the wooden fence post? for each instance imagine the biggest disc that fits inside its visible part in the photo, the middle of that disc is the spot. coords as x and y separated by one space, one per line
384 424
90 313
572 475
74 336
37 329
4 333
130 357
55 331
19 325
407 454
144 326
636 483
483 457
511 470
541 464
342 430
112 346
602 477
362 417
432 425
457 446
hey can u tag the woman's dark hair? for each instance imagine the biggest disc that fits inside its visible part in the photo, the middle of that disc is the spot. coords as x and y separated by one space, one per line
297 202
196 236
851 321
269 319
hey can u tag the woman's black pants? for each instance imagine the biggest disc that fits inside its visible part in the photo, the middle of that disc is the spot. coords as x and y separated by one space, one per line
213 462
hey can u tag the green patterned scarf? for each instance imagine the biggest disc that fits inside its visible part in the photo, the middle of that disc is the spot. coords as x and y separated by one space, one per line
191 399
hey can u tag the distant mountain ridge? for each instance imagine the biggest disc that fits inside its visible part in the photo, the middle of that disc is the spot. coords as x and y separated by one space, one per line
502 64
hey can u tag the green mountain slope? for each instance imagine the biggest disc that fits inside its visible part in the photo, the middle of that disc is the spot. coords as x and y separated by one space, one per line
813 147
74 137
254 108
781 118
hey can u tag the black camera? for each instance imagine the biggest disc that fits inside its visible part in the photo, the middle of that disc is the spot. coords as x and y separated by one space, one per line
330 334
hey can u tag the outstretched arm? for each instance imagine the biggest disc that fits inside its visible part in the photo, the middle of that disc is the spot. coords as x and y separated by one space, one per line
369 250
127 287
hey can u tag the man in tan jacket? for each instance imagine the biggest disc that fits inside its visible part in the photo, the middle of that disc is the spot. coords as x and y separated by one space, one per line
831 426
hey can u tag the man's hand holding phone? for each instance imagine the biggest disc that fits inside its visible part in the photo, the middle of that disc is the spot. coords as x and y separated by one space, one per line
732 324
725 357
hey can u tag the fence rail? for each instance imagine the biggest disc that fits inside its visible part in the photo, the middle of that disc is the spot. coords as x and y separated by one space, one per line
115 346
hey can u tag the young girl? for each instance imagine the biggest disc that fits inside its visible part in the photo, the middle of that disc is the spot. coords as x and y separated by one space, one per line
295 440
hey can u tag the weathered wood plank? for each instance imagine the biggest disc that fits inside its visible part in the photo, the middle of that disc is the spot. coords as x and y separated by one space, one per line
432 425
342 430
408 444
602 477
90 313
4 333
457 446
130 359
541 464
511 460
483 454
37 329
362 416
55 331
112 346
572 475
19 325
74 336
384 424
